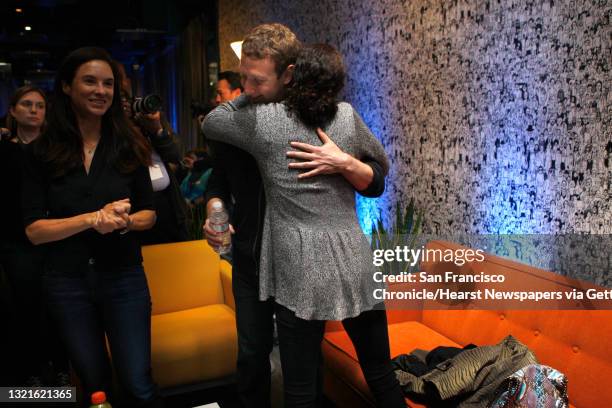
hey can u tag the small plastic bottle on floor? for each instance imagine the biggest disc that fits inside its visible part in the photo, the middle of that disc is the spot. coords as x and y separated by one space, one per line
98 400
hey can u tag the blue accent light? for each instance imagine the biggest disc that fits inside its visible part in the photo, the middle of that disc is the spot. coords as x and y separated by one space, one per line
369 210
172 95
370 107
517 177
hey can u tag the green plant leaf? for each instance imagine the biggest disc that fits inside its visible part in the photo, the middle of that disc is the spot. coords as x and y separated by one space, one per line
403 232
409 218
398 227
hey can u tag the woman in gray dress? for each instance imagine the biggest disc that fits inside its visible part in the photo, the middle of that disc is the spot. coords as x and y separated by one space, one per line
315 260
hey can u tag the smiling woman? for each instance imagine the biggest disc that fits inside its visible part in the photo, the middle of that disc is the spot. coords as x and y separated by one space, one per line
91 94
86 183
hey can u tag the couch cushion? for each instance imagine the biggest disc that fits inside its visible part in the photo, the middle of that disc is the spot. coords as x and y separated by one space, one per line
404 337
568 340
193 345
341 359
182 275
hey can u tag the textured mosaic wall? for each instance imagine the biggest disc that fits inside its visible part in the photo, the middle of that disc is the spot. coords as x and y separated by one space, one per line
495 114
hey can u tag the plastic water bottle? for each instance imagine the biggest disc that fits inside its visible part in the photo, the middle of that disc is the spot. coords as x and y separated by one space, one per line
98 400
219 222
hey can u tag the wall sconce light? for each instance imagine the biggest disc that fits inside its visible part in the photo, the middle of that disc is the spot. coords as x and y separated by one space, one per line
237 48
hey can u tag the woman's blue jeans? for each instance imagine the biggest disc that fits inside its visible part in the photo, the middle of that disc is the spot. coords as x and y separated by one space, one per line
111 301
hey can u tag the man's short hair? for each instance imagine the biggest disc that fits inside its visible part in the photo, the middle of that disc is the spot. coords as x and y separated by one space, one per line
275 41
232 78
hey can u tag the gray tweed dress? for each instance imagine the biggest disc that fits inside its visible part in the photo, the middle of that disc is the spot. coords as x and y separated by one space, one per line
315 259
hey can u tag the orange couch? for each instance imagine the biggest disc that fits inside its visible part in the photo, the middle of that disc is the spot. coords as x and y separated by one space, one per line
193 324
576 342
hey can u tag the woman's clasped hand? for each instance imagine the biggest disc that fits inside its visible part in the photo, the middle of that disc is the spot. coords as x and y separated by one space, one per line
112 216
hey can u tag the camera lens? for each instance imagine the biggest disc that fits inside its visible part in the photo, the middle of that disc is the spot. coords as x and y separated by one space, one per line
148 104
152 103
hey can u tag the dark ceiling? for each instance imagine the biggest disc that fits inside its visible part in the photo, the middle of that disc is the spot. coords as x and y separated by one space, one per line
130 29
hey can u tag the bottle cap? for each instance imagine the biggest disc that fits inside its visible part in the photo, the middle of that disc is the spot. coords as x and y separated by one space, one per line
98 397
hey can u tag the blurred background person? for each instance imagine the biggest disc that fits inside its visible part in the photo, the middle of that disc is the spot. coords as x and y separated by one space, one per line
228 87
195 181
26 116
172 213
185 166
36 353
86 185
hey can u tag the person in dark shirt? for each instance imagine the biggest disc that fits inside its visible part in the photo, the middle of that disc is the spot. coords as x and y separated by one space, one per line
25 121
86 185
21 261
170 208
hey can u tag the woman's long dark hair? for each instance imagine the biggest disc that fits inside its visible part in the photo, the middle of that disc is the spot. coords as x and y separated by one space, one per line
11 123
61 146
318 77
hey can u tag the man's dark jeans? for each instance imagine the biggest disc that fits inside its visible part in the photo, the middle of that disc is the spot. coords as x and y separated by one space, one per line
254 321
115 302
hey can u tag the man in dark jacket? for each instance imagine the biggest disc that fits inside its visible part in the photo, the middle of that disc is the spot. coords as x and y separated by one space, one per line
268 54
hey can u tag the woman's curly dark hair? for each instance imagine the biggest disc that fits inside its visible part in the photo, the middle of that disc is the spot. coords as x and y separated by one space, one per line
318 77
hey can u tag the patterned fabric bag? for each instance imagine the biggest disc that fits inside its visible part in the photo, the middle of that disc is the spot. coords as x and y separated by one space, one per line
534 386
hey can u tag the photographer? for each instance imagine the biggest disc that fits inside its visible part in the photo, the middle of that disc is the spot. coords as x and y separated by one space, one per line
172 213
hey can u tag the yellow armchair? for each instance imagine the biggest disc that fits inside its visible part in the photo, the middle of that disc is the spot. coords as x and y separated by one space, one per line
193 324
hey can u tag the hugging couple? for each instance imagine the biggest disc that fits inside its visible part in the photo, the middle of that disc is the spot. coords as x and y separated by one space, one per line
290 156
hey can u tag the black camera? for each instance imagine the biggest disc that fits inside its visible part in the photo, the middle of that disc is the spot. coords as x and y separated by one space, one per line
147 104
200 108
